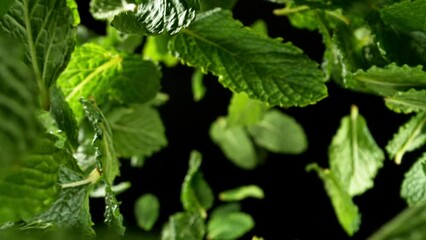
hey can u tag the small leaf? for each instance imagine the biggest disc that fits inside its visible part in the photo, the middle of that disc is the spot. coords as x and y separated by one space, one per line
196 195
243 111
198 88
279 133
413 188
406 15
107 9
407 102
184 226
155 49
347 212
354 156
146 211
225 209
244 61
411 136
240 193
232 225
234 143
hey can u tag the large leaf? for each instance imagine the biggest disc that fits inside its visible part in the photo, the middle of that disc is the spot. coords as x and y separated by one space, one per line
184 226
406 15
354 156
279 133
413 188
105 75
411 135
18 125
137 131
245 61
347 212
243 111
147 210
157 16
407 102
48 30
5 5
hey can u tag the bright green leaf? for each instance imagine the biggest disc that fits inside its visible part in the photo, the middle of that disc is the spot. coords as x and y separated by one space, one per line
413 188
279 133
411 136
153 17
225 209
260 27
240 193
137 131
243 111
264 68
5 5
407 102
107 9
146 211
354 156
346 211
105 75
196 195
229 226
198 88
155 49
184 226
118 41
234 143
406 15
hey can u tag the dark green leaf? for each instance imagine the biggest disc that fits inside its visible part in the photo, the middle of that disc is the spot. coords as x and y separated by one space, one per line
245 61
243 111
184 226
146 211
5 5
240 193
406 15
413 188
407 102
229 226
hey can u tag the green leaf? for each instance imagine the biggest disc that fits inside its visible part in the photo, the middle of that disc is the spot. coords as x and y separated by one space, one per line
413 189
107 9
225 209
407 225
153 17
19 126
240 193
410 136
113 217
137 131
198 88
347 212
30 187
184 226
354 156
244 61
146 211
407 102
211 4
234 143
118 41
105 75
5 5
48 31
196 195
279 133
155 49
229 226
406 15
243 111
389 80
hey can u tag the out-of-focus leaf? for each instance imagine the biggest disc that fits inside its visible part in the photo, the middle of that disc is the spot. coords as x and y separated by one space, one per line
229 226
243 111
240 193
147 210
184 226
198 88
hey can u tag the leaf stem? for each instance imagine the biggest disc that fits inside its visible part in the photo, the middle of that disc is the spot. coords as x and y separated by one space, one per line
93 177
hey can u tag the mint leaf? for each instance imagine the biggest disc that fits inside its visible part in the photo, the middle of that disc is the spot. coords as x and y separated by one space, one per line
347 212
155 49
354 156
146 211
196 195
406 15
198 88
113 217
137 131
407 102
410 136
107 9
157 16
232 225
243 111
105 75
279 133
244 61
413 188
234 143
5 5
184 226
240 193
225 209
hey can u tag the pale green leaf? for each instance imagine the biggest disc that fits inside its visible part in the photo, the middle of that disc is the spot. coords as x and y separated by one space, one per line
5 5
406 15
184 226
279 133
413 188
105 75
235 144
198 88
225 209
240 193
354 156
244 61
107 9
118 41
48 31
146 211
407 225
407 102
243 111
137 131
153 17
346 211
229 226
410 136
389 80
196 195
155 49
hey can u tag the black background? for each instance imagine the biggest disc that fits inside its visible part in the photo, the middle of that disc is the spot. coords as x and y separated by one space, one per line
296 205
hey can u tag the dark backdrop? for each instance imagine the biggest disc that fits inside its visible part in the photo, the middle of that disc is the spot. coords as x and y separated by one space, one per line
296 205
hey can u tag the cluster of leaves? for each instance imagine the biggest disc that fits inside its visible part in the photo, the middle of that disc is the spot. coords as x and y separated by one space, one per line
73 104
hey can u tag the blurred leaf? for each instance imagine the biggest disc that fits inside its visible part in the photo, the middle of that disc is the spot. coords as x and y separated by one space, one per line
413 189
232 225
406 15
155 49
5 5
184 226
146 211
243 111
240 193
198 88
